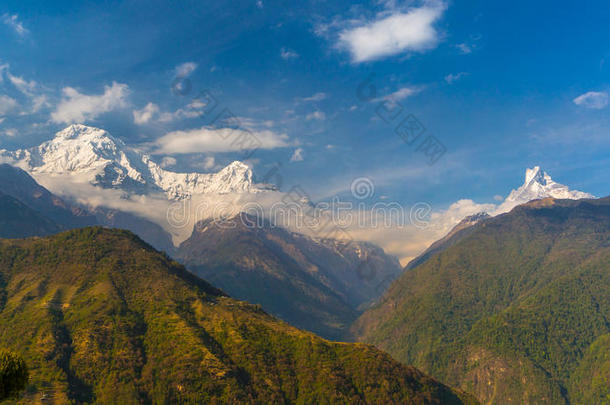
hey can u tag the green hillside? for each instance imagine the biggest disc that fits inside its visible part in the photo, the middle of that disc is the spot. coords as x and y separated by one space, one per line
517 312
101 317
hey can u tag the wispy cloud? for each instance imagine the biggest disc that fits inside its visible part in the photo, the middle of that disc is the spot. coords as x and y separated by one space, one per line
297 155
592 99
24 86
185 69
34 91
7 104
287 54
212 140
13 22
316 115
78 107
451 77
314 98
402 93
399 32
152 113
168 161
464 48
10 132
146 114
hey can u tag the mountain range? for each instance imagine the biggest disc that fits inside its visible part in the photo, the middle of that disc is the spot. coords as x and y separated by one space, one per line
320 285
92 155
316 284
511 305
101 317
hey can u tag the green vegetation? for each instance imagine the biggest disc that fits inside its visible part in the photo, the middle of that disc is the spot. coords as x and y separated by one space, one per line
516 312
101 317
13 374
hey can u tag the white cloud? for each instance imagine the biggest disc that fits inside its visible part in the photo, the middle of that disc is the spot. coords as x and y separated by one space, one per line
402 93
13 22
7 104
297 155
287 54
316 97
259 3
31 89
316 115
151 112
78 107
146 114
592 99
450 78
464 48
185 69
168 161
211 140
192 110
10 132
399 32
39 102
22 85
209 162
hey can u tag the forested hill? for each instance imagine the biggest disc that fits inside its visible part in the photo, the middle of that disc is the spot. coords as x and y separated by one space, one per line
100 316
516 312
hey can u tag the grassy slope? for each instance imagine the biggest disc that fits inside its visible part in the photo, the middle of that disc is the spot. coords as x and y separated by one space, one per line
101 317
508 312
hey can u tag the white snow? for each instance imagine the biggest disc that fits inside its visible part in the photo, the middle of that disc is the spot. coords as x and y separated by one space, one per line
538 184
107 162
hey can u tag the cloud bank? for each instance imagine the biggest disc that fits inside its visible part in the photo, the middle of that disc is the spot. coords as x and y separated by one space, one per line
212 140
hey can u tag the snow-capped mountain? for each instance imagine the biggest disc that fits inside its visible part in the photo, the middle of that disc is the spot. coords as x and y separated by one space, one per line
104 161
538 184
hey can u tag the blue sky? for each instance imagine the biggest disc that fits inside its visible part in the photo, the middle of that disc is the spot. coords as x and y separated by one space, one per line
503 86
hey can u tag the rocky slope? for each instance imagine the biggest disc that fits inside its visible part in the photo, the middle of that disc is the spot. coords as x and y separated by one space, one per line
318 285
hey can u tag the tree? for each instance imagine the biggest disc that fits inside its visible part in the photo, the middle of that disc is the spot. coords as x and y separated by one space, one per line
13 374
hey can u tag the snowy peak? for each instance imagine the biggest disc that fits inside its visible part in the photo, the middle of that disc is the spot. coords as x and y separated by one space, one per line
537 175
539 184
78 131
475 218
93 155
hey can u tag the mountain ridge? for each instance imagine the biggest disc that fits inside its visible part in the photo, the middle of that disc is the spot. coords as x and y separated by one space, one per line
93 155
319 285
509 311
101 317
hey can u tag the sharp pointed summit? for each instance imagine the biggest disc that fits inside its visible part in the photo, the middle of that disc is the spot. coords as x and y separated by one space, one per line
539 184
